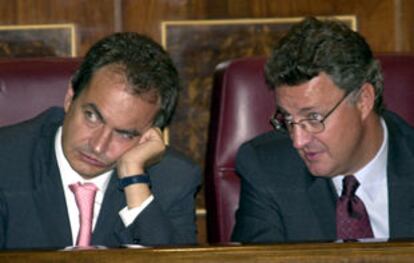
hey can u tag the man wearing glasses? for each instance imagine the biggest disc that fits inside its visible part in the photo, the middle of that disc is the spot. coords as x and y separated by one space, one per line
347 175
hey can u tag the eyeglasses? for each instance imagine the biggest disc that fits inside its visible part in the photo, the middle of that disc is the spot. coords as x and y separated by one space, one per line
315 124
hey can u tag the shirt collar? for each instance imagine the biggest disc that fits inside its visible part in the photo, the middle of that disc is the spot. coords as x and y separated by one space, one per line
372 174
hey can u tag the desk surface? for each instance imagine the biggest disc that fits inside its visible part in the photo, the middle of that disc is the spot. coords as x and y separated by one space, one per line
306 253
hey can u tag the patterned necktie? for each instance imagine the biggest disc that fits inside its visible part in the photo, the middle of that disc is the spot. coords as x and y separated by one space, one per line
85 198
352 221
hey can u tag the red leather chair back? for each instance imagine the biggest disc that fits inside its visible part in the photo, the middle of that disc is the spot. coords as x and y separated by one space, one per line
241 107
30 85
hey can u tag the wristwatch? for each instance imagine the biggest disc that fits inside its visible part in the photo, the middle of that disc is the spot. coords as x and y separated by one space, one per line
134 179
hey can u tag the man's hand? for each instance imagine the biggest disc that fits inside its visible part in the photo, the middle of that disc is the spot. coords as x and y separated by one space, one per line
148 151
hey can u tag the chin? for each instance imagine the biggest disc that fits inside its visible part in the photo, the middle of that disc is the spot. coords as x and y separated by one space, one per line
89 173
89 176
319 172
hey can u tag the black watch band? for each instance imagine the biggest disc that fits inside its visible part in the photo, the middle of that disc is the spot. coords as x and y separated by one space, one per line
134 179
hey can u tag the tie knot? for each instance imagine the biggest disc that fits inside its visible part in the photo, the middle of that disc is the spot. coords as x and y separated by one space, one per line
349 185
83 188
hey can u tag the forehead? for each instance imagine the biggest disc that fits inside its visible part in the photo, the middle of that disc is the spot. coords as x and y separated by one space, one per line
110 92
315 92
107 85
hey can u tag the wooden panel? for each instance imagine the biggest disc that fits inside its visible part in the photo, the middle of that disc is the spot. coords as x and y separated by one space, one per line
93 18
304 253
38 40
405 12
376 17
201 227
145 16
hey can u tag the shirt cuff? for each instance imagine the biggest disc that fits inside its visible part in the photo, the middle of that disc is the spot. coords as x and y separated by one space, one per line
128 215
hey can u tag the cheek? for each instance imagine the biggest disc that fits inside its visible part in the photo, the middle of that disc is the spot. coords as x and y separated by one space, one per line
343 138
119 147
76 133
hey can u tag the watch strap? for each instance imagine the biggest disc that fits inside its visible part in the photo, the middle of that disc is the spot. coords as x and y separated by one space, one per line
134 179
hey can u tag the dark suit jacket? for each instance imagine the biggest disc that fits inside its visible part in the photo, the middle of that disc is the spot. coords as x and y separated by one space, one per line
281 201
33 211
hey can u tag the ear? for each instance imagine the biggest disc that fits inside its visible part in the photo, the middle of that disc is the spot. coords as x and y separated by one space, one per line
68 98
366 100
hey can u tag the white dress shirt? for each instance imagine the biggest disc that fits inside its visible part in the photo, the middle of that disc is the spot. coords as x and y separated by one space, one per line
373 189
70 176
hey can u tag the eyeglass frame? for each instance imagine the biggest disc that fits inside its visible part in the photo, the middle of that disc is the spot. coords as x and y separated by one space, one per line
282 127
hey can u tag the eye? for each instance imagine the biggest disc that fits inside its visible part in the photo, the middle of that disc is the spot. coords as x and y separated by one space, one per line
125 135
91 116
283 117
314 116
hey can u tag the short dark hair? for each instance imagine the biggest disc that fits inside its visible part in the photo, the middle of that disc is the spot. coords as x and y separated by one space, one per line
330 46
146 65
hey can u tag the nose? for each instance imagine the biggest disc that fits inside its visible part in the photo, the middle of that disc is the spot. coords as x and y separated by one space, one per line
100 140
300 136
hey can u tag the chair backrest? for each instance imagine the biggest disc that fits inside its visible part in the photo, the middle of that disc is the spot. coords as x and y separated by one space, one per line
241 107
30 85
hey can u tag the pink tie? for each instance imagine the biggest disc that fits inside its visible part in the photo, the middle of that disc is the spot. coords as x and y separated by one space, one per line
85 197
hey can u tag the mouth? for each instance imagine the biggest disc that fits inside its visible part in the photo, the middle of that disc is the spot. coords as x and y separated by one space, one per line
91 160
311 156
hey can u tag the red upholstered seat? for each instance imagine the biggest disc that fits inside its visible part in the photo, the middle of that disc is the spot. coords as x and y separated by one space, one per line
241 107
30 85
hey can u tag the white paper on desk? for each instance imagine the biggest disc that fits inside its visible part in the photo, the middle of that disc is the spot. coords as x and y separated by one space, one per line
76 248
133 246
364 240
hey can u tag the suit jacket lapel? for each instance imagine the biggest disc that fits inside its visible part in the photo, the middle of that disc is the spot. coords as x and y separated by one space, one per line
49 196
109 223
400 174
322 198
51 205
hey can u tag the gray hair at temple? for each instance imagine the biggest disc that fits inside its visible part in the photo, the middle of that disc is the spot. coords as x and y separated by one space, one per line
147 67
330 46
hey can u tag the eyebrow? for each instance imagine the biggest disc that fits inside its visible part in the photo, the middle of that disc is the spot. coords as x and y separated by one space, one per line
131 132
301 111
